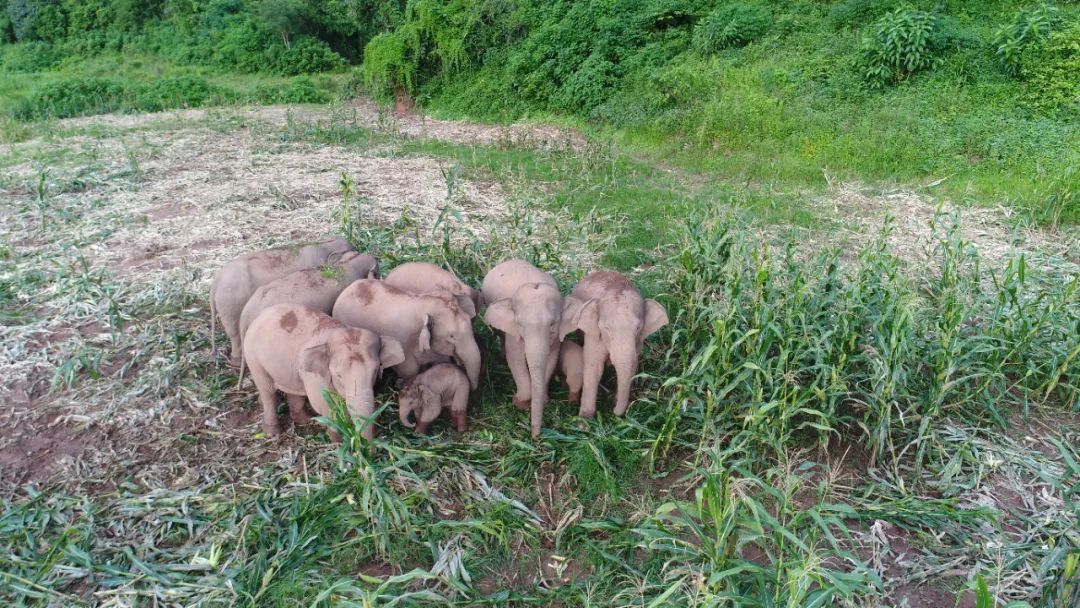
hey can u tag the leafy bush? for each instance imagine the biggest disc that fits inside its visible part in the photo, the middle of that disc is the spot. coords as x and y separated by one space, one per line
242 46
1051 69
903 43
300 90
76 97
386 67
1027 29
305 55
182 92
33 56
854 13
731 25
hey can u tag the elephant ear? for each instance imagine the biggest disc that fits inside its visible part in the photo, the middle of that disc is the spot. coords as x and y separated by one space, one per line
500 315
314 364
431 400
390 353
424 343
571 312
588 318
466 304
655 318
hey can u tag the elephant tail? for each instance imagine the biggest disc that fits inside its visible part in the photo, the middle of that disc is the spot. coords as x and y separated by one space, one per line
213 320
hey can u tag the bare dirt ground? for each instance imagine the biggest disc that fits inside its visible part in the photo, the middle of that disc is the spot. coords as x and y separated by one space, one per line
135 220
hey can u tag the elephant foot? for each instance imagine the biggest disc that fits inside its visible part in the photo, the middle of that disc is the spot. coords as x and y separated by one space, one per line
574 398
522 404
587 413
460 424
301 418
272 430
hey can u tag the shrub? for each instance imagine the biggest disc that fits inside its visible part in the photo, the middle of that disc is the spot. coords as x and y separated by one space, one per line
854 13
902 43
182 92
1051 70
302 91
305 55
386 66
1027 29
33 56
75 97
731 25
242 46
589 86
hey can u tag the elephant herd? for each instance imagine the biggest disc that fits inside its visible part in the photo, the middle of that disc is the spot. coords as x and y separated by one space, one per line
312 318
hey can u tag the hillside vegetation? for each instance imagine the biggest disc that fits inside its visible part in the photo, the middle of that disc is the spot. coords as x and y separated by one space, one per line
861 217
979 98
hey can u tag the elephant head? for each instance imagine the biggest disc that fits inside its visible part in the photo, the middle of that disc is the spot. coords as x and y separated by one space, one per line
330 251
419 402
348 361
354 266
537 315
447 331
619 322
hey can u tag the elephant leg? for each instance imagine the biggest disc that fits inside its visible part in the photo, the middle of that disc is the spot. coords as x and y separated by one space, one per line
296 409
458 407
268 400
515 359
594 356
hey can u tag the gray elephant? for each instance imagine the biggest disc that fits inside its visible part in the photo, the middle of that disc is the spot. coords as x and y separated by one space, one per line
525 304
615 320
422 277
426 395
431 327
237 280
301 352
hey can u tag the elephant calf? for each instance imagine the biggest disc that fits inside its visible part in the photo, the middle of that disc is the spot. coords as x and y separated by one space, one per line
237 280
425 396
615 320
421 277
302 352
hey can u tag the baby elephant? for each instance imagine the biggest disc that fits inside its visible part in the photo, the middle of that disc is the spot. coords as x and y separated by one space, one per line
302 352
572 368
425 396
238 279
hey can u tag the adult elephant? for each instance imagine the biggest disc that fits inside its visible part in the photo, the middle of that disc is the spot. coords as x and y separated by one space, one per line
615 320
525 304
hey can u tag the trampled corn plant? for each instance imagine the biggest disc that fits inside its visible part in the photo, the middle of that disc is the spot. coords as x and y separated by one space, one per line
373 473
786 347
745 541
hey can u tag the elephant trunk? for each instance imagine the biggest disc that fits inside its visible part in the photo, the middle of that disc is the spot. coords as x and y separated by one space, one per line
405 411
537 352
362 403
624 358
469 355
